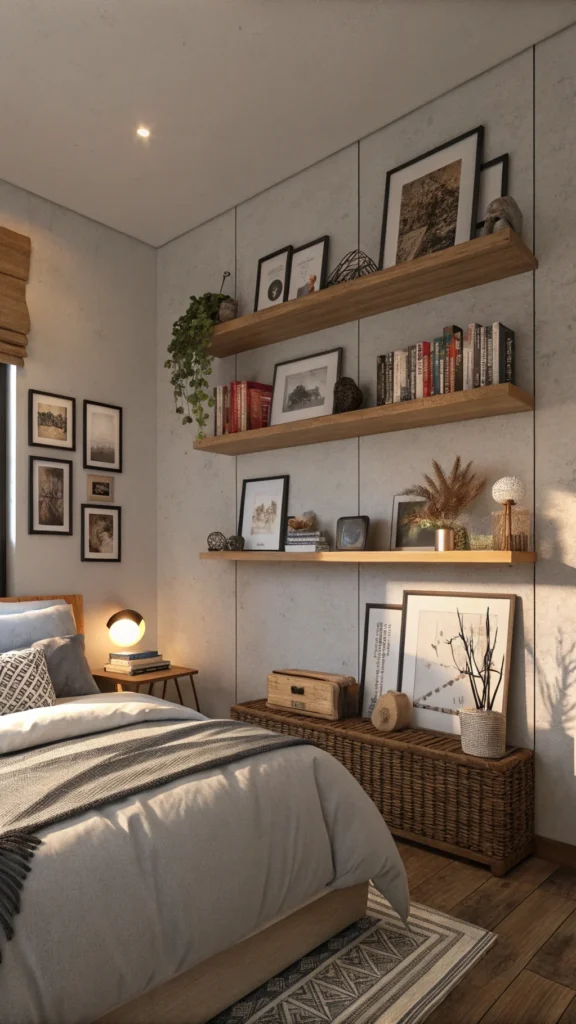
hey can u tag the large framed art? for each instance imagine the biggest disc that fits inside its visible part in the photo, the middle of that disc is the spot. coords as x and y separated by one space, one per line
432 658
430 202
382 632
263 511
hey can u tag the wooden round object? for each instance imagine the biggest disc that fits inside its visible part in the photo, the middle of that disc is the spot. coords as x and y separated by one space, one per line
392 711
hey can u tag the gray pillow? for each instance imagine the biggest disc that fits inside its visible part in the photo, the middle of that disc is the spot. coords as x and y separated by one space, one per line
24 682
21 630
67 665
17 607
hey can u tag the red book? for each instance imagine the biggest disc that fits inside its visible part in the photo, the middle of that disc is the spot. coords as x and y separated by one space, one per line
256 393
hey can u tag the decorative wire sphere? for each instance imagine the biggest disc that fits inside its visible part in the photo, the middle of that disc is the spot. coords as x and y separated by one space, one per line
508 488
354 264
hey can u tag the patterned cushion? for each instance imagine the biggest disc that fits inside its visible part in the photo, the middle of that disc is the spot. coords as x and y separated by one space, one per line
24 682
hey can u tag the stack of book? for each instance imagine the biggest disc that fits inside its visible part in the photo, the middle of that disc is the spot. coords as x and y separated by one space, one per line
245 405
457 361
306 540
136 663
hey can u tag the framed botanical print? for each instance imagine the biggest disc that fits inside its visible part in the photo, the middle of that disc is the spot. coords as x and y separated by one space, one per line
263 506
272 279
493 185
382 631
51 420
433 659
99 488
430 202
308 268
404 536
101 533
50 496
304 388
102 436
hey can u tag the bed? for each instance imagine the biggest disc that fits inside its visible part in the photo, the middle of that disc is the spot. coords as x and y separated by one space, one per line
169 905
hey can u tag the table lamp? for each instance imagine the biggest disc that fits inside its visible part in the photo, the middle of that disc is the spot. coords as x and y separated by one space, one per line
126 627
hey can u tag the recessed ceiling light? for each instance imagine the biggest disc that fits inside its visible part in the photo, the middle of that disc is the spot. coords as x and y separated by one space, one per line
143 132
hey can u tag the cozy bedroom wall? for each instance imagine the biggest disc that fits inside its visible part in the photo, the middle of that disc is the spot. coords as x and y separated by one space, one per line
235 623
92 307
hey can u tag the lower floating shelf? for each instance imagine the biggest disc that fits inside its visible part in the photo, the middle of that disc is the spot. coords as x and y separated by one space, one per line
382 557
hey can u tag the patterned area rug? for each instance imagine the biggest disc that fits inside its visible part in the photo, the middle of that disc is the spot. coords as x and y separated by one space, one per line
374 972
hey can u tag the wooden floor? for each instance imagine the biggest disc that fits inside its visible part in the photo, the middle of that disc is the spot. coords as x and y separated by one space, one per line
529 975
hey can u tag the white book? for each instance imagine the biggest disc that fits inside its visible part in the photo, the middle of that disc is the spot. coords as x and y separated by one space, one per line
419 371
468 359
303 548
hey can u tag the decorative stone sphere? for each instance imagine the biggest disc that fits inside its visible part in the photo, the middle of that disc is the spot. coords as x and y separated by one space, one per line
235 543
508 488
217 541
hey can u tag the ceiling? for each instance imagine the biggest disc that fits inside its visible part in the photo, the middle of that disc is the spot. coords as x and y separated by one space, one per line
238 94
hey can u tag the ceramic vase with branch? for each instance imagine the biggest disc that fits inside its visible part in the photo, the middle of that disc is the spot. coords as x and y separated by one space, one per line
483 730
445 495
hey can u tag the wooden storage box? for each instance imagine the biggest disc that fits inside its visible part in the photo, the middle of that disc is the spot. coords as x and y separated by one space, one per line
319 694
426 789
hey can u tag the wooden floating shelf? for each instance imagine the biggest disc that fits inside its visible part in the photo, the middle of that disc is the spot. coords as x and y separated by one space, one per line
494 400
467 265
380 557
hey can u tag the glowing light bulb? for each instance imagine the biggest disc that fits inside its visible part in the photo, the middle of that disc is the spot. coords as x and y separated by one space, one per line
143 132
126 628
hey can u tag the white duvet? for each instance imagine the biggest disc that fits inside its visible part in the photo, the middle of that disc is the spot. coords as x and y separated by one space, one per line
122 898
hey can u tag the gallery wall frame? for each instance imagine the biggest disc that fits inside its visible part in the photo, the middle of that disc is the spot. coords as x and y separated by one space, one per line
50 488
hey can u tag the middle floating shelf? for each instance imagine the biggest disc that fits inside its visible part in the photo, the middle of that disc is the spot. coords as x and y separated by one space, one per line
494 400
386 557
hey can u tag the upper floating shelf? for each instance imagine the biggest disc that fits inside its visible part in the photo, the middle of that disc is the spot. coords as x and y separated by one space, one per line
380 557
467 265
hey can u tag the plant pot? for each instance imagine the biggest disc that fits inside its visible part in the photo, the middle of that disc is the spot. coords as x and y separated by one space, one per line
483 733
228 310
444 540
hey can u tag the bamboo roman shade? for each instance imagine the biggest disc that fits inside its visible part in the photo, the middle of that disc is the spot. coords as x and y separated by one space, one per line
14 317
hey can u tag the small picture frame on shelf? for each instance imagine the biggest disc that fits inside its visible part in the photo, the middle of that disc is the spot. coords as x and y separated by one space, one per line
272 279
304 388
493 185
308 268
381 653
51 420
262 520
99 488
352 533
50 496
101 533
102 436
404 536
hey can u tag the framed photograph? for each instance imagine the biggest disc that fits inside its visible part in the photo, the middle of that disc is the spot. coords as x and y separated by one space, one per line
352 533
51 420
263 513
380 658
101 533
308 268
493 185
304 388
99 488
102 436
403 536
430 667
430 202
272 279
50 496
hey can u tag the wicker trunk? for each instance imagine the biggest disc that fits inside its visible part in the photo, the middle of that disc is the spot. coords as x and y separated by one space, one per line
426 789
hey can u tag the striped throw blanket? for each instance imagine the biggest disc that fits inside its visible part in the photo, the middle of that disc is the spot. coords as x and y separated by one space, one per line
48 784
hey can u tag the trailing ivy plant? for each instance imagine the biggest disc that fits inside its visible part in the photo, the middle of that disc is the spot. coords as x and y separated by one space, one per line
190 360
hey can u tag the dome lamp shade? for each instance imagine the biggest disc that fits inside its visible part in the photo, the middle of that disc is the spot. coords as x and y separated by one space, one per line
126 628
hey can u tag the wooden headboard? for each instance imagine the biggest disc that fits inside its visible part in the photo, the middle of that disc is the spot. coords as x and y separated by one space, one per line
75 600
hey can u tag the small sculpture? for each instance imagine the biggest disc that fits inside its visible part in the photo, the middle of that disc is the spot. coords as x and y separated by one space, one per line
511 530
235 543
217 541
306 521
392 711
502 213
347 395
354 264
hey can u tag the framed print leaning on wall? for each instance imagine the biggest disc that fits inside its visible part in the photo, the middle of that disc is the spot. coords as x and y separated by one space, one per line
263 509
382 631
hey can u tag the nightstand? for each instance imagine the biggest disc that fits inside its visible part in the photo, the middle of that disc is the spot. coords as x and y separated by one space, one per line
149 679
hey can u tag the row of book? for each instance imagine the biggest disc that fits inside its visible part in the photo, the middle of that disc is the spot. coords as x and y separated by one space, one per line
136 663
305 540
457 361
244 405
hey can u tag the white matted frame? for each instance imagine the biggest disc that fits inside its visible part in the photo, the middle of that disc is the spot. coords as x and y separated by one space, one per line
316 375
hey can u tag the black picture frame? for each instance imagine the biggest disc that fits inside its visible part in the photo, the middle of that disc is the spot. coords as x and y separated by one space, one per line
282 513
324 241
479 131
103 466
311 413
99 510
368 609
286 249
33 460
504 160
45 444
364 522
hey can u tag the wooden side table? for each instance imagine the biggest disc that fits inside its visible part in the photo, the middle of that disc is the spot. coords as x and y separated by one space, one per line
149 679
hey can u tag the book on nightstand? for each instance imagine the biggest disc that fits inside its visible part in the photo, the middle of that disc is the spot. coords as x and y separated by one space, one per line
135 663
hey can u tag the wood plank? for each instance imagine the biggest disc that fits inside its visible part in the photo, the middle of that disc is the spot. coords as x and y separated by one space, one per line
420 864
520 936
389 557
498 897
14 254
530 999
447 888
569 1017
556 959
13 308
467 265
562 882
476 403
13 338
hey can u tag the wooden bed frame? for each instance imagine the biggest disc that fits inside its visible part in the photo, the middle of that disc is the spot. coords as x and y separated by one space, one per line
200 993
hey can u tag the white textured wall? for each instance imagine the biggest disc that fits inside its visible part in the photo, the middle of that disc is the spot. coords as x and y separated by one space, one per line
239 622
91 297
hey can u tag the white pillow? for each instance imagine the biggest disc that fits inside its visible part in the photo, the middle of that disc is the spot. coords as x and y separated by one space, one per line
24 682
22 630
